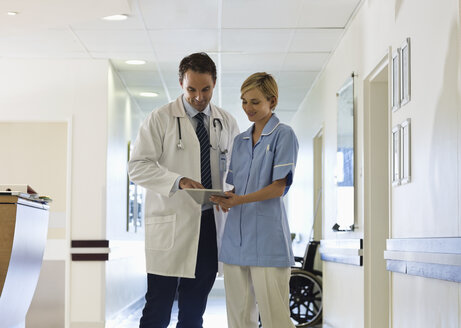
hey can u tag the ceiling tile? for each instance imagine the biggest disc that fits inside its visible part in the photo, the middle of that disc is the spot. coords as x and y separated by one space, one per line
142 78
57 42
260 13
119 57
326 13
252 62
305 61
147 105
169 66
290 98
132 23
295 78
180 14
256 40
291 39
317 40
231 95
149 66
44 14
115 41
171 79
183 42
161 98
234 79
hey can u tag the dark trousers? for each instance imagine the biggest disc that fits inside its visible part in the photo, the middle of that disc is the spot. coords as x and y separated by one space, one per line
192 293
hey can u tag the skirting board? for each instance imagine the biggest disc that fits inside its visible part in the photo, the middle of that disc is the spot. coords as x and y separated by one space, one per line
437 258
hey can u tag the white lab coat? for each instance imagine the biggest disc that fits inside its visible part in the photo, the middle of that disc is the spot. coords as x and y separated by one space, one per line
172 220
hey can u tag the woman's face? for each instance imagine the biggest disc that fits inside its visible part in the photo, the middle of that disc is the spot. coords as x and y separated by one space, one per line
256 106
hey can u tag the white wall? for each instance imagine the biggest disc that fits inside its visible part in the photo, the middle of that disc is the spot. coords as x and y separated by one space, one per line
80 93
58 90
429 205
73 91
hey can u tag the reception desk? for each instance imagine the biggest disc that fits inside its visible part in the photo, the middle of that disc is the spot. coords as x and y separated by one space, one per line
23 232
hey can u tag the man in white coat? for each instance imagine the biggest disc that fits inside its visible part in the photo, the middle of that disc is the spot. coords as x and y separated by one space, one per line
184 144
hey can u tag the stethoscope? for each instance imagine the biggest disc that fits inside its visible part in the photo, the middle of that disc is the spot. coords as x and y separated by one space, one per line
180 145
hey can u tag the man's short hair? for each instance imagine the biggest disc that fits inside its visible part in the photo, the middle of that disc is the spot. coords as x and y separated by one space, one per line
198 62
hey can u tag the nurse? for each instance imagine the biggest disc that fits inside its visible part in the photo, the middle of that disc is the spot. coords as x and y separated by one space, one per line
256 246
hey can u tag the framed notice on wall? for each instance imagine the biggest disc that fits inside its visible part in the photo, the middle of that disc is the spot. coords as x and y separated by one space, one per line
395 80
405 76
405 147
396 155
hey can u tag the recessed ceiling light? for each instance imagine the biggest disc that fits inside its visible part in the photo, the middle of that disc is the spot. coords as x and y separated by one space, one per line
148 94
116 17
135 62
12 13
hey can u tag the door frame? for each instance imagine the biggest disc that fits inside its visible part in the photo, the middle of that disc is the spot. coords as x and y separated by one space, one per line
377 292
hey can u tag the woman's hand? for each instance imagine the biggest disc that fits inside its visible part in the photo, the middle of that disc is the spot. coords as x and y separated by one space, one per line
228 201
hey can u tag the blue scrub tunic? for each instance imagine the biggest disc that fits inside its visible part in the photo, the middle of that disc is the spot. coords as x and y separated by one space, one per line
257 234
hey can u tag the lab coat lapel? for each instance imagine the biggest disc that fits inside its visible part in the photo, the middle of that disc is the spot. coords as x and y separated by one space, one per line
187 130
216 115
214 153
178 109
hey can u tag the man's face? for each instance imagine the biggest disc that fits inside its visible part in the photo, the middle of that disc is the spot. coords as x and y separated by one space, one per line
197 88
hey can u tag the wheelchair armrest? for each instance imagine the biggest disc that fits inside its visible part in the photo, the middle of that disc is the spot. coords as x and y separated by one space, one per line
299 259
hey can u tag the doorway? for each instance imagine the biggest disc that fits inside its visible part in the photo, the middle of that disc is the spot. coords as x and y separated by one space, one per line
376 195
36 153
318 194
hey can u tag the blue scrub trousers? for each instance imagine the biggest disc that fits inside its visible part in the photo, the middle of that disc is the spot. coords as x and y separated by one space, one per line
192 293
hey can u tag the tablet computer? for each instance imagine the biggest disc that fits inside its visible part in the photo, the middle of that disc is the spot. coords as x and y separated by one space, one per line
202 196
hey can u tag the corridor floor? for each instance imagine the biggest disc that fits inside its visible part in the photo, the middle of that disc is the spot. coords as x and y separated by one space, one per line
215 315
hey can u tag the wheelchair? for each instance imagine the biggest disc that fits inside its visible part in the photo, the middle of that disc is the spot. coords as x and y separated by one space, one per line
306 289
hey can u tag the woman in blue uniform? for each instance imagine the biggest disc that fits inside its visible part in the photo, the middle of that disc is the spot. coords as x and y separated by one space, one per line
256 245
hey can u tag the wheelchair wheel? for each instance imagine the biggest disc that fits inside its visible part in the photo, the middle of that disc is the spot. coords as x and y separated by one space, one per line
305 298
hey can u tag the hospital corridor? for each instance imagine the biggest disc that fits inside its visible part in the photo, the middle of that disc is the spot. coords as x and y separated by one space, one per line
301 157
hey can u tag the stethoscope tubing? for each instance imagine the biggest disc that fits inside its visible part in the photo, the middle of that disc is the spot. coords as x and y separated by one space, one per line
181 146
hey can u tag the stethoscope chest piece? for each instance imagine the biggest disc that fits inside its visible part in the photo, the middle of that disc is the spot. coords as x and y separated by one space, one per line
179 145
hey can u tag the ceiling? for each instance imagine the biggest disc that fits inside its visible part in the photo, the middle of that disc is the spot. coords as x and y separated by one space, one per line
291 39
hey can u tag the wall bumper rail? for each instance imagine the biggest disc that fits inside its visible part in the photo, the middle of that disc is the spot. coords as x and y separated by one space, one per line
346 251
437 258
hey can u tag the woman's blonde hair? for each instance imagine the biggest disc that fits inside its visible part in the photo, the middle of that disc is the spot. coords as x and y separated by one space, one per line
265 83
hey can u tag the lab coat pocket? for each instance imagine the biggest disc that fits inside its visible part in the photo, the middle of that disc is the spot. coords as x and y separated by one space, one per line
160 231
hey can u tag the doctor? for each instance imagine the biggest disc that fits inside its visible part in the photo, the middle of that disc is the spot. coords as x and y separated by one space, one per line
183 144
